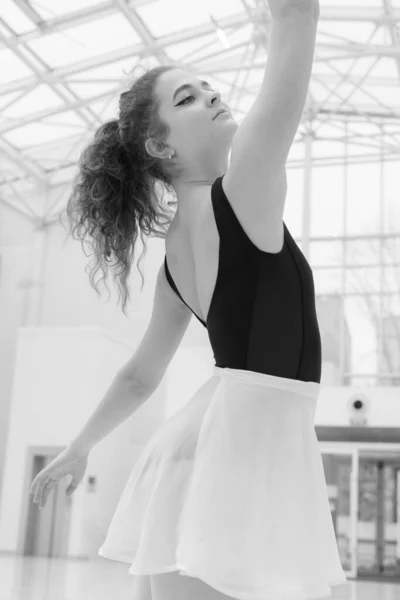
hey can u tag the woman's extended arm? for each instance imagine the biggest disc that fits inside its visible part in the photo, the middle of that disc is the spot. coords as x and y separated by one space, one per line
121 400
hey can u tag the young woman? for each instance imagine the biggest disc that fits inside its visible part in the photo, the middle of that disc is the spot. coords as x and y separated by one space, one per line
228 499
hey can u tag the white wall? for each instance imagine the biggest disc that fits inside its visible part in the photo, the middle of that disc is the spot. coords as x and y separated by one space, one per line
381 406
11 313
15 239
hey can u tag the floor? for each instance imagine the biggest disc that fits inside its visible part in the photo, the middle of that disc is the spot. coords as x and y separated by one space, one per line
36 578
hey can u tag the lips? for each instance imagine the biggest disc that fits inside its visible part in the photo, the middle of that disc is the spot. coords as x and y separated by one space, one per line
222 110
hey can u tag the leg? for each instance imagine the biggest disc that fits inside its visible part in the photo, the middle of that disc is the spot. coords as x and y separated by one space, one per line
172 586
141 587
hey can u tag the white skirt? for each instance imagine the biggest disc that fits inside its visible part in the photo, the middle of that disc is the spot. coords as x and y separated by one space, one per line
231 490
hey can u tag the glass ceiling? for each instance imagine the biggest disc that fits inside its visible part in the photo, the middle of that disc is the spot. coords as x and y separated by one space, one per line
64 65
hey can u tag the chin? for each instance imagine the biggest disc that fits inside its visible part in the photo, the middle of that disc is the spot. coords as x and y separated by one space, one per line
231 126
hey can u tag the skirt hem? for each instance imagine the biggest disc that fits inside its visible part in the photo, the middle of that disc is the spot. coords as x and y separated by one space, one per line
185 572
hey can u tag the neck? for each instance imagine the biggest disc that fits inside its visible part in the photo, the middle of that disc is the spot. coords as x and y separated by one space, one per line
190 185
203 173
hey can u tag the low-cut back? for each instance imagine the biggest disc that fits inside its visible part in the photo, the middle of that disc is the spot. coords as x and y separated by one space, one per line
262 313
174 287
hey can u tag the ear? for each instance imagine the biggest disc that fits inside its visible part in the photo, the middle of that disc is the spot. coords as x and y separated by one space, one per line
153 148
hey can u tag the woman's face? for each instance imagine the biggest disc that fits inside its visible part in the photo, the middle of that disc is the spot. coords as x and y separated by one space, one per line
195 134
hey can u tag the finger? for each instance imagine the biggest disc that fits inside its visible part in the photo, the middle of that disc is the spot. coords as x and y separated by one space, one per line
34 485
39 490
36 493
75 481
43 495
71 488
46 491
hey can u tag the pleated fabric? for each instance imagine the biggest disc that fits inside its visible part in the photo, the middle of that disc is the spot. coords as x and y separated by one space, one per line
231 490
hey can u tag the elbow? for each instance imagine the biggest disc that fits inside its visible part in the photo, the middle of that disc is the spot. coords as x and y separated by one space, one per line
137 385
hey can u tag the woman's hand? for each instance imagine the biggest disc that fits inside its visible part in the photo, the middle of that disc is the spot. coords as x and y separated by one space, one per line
68 462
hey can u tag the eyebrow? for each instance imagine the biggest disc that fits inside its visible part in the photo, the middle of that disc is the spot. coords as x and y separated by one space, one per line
189 86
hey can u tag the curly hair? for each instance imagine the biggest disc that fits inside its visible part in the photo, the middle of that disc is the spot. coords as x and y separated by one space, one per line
114 195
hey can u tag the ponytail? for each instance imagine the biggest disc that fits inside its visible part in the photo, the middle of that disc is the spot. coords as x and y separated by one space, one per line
114 195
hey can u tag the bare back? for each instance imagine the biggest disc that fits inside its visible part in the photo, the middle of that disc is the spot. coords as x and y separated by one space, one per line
192 255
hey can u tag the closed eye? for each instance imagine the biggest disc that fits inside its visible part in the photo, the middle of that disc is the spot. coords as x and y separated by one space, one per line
191 96
184 101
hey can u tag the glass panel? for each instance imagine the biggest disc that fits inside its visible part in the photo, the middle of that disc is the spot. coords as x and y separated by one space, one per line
378 526
391 532
367 516
378 541
49 9
86 40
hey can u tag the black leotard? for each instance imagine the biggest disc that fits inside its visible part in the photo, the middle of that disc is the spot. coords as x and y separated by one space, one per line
262 314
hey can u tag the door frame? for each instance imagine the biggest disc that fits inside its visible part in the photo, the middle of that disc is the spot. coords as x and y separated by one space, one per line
374 450
31 451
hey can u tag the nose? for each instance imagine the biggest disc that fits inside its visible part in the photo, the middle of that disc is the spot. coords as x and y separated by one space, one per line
215 95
